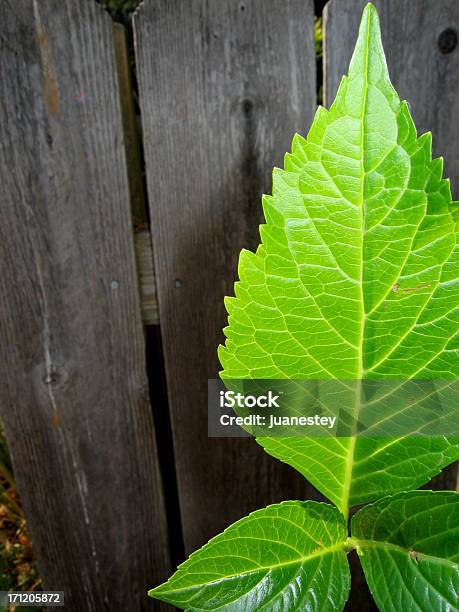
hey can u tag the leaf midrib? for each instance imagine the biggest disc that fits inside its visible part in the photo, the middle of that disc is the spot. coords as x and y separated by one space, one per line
352 440
390 546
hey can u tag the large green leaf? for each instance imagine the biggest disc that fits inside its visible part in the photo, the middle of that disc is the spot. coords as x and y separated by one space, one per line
409 548
356 277
289 556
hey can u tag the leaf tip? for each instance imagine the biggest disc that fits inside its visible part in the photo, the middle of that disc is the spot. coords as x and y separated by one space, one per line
155 592
370 8
370 17
368 56
162 592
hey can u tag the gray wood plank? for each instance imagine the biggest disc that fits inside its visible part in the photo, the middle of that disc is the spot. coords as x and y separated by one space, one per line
74 396
223 86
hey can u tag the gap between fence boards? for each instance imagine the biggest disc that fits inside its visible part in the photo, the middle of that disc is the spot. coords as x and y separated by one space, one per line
147 288
133 147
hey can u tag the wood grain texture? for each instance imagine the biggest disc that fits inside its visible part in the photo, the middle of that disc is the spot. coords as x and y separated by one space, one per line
223 87
147 279
74 393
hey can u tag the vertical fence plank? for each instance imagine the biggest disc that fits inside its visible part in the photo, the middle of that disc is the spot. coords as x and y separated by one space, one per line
223 87
74 393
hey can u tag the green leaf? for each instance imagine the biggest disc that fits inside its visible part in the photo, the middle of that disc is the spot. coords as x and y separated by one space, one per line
356 277
409 548
287 556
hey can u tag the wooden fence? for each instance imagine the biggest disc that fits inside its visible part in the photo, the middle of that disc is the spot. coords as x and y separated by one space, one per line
114 467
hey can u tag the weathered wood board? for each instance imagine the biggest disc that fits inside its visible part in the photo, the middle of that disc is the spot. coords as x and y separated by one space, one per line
74 393
223 87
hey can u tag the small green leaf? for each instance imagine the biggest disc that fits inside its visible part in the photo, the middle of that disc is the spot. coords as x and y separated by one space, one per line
289 556
356 277
409 548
